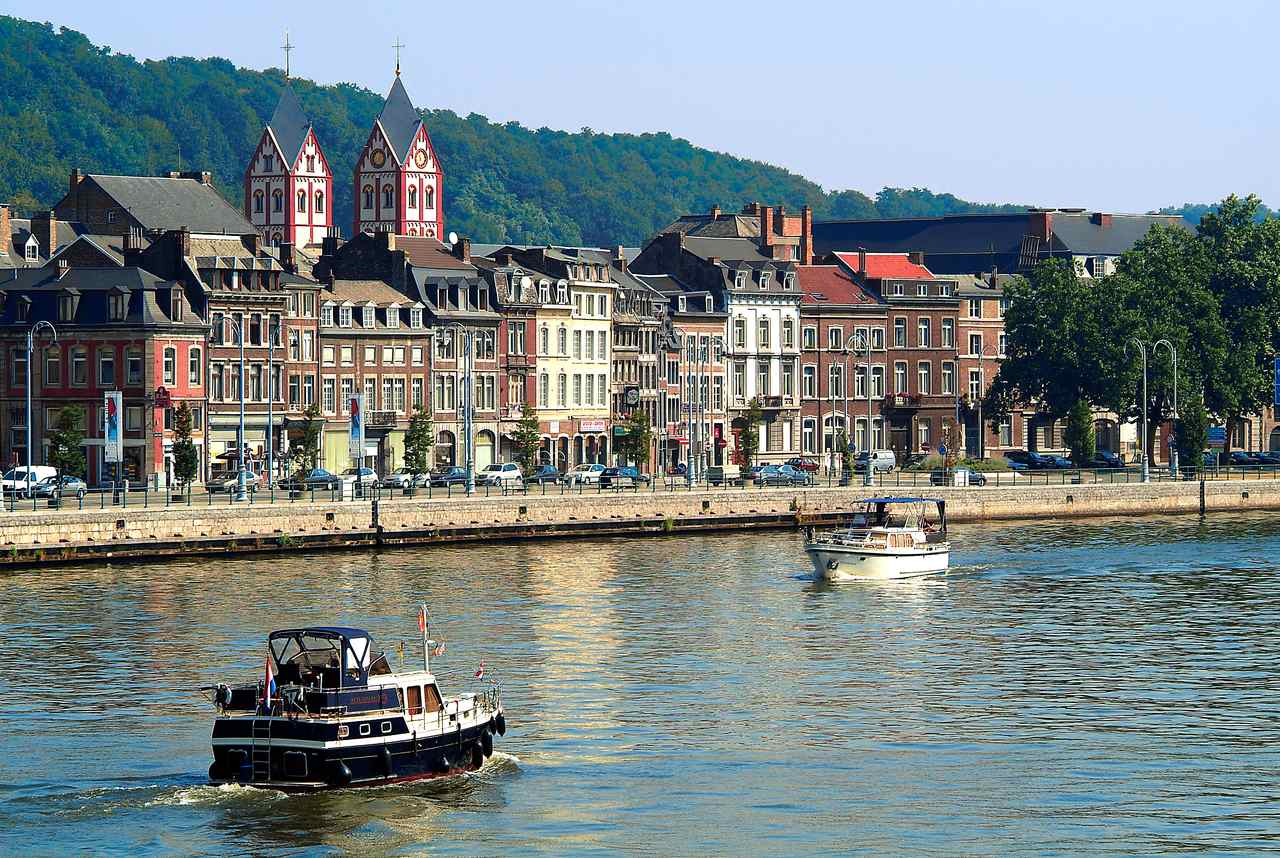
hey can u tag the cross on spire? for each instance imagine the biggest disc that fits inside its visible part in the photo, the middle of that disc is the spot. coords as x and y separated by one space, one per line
397 46
286 47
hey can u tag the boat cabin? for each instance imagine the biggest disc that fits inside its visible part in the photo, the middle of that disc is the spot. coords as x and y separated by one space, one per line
903 513
327 657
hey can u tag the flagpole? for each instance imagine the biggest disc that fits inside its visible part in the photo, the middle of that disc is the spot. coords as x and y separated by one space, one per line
426 652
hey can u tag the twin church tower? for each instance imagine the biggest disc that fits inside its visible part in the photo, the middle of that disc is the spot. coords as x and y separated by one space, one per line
288 185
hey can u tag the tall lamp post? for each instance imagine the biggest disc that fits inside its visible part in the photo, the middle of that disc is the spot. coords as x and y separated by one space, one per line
31 345
465 339
982 391
240 476
1173 448
861 345
1142 350
273 330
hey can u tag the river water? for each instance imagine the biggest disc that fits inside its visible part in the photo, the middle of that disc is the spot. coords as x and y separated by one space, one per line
1099 688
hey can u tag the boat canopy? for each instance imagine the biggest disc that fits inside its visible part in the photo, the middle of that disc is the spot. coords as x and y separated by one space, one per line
879 516
341 654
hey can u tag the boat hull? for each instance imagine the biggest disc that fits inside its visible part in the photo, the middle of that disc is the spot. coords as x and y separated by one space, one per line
846 563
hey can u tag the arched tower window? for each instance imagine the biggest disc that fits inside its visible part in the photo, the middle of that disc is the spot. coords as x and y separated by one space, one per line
302 201
277 200
413 198
429 198
368 196
257 201
319 202
388 196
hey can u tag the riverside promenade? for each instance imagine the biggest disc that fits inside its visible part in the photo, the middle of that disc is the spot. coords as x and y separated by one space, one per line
72 534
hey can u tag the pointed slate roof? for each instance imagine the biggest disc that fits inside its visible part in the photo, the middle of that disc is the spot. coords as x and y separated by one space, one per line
289 124
400 120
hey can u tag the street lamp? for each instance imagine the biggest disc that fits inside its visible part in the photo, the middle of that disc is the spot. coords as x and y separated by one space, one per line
273 330
240 477
982 389
31 344
861 344
467 405
1142 349
1173 447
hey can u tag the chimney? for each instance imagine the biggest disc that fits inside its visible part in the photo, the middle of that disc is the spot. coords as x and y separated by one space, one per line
63 267
462 249
620 257
6 227
287 260
1040 224
505 260
44 226
76 178
916 257
806 236
330 243
713 260
387 239
766 226
751 209
252 242
1101 219
329 283
183 237
862 261
715 212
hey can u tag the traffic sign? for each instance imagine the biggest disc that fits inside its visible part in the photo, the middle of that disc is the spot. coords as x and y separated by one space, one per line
1217 436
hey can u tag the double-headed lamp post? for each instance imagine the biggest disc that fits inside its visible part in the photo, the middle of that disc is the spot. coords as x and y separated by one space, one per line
1173 448
1142 350
240 477
464 340
861 345
31 345
982 391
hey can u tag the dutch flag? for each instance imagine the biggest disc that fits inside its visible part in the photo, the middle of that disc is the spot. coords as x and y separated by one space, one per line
268 687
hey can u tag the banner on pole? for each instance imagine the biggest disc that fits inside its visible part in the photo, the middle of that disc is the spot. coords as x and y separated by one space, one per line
356 447
112 444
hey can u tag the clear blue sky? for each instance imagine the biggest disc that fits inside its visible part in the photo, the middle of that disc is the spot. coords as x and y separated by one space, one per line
1118 105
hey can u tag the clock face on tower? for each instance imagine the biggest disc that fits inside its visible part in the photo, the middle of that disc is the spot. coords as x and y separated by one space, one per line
378 158
420 159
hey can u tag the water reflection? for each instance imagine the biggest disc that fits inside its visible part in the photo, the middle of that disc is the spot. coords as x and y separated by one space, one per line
1091 688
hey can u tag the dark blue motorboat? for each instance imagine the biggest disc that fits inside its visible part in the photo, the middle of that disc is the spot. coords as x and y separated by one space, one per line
329 713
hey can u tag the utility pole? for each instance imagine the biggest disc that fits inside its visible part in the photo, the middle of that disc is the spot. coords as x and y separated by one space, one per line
1142 350
31 344
1173 447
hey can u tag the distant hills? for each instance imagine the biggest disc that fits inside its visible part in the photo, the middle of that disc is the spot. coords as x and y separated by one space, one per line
65 102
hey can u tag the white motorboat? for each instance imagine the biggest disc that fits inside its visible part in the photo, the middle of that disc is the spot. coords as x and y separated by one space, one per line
888 539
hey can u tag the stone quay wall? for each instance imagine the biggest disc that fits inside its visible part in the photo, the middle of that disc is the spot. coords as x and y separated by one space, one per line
69 536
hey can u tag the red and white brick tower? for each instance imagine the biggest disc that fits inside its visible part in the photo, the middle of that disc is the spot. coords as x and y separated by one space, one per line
288 187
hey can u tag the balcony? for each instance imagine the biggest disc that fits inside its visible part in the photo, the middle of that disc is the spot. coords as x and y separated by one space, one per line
904 400
380 419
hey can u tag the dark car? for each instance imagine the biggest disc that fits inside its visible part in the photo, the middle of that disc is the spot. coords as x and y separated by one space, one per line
622 477
1270 458
913 459
317 479
1032 461
784 475
1060 463
809 466
1241 459
1105 459
454 476
939 477
545 474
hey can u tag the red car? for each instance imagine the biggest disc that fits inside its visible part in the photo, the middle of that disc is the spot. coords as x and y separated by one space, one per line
807 465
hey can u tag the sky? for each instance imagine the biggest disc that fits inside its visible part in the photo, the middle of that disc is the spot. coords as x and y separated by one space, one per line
1126 105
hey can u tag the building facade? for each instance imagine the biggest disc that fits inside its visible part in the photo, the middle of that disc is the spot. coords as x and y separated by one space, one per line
288 186
398 178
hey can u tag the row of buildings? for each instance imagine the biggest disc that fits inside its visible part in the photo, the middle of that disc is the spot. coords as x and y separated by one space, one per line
888 331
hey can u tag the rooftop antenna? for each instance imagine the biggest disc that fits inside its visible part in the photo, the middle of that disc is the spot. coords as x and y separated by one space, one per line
286 47
397 46
179 157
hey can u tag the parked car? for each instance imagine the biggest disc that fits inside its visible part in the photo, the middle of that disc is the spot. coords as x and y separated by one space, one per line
545 474
230 482
361 480
15 480
940 477
67 486
586 474
1032 461
623 478
679 469
403 478
451 476
1105 459
781 475
881 461
809 466
504 475
913 459
1241 459
716 475
1270 458
316 479
1060 463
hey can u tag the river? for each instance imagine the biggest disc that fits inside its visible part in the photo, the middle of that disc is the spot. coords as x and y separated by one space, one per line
1094 688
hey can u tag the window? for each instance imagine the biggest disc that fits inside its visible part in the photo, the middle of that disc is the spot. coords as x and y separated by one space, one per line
388 196
257 202
371 394
922 290
308 346
975 308
900 376
877 381
740 333
344 316
895 289
562 390
975 344
515 338
133 366
132 418
215 382
413 198
577 390
762 378
709 305
416 355
877 339
577 344
53 368
922 430
809 436
860 382
945 289
1002 340
255 329
368 317
268 163
170 366
762 334
835 382
79 367
309 390
19 364
975 384
788 378
368 196
948 378
899 333
116 302
66 308
764 279
835 338
739 381
562 340
295 388
1003 307
544 341
809 382
416 393
217 330
809 338
1005 432
295 345
717 390
429 198
393 317
319 202
274 329
544 383
327 356
924 378
948 333
107 369
302 201
922 333
277 200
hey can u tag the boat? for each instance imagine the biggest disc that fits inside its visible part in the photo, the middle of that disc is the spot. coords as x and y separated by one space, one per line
888 539
330 713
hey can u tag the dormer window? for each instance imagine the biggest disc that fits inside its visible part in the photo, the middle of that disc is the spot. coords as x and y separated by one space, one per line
944 289
544 292
175 304
740 280
344 317
367 321
33 250
66 308
415 318
764 279
789 281
710 304
896 289
111 215
24 308
680 303
922 290
326 316
562 293
115 306
393 317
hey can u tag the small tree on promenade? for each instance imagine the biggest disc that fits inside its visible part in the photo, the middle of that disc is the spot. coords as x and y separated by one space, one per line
418 441
527 438
186 459
1079 434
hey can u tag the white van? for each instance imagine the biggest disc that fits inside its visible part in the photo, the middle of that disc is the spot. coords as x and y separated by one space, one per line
15 480
881 461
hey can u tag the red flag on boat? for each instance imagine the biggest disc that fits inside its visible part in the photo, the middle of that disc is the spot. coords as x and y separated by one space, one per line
480 671
268 687
422 620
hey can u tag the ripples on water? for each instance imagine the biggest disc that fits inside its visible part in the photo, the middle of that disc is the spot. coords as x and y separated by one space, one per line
1093 688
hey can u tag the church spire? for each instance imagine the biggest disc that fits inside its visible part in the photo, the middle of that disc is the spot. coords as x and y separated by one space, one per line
397 46
286 47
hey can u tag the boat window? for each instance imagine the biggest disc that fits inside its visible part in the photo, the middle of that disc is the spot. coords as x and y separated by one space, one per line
433 698
380 666
415 700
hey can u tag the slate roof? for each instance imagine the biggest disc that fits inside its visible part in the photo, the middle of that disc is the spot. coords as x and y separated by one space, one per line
399 120
628 253
724 226
43 287
366 291
727 249
893 266
163 203
426 252
289 125
832 284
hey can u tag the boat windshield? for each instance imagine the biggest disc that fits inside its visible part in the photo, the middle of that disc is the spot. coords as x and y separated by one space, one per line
324 658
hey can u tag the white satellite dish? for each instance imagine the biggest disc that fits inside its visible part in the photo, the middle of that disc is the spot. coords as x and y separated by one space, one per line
453 239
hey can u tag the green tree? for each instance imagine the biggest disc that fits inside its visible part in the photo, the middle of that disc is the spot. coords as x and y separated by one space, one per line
527 438
1191 432
749 435
186 459
634 445
65 441
306 453
1079 433
418 441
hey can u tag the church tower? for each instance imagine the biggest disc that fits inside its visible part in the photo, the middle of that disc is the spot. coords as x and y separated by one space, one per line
288 186
398 179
